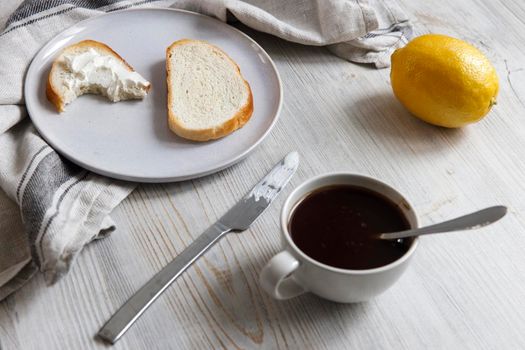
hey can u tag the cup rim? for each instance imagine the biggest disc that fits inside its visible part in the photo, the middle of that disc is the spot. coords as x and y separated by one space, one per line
284 226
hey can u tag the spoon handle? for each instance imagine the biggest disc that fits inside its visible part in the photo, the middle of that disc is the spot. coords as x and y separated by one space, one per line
471 221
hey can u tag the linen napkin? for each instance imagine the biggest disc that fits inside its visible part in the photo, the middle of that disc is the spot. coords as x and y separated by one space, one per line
62 206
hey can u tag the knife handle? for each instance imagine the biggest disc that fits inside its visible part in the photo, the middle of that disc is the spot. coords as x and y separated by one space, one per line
120 322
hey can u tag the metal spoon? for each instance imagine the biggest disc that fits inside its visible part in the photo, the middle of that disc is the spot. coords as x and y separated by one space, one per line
471 221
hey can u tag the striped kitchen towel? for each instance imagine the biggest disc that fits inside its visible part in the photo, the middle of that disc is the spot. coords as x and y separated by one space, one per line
62 206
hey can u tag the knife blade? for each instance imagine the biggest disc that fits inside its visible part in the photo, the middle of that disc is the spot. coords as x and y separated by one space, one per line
238 218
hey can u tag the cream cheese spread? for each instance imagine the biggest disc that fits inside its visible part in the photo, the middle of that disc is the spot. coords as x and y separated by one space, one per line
93 72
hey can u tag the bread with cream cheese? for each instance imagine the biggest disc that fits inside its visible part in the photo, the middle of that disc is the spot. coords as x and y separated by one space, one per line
92 67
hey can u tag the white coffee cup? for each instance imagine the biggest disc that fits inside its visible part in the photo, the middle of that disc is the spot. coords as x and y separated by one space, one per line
291 272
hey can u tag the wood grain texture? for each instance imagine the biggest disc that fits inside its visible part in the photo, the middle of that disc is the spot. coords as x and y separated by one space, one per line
462 290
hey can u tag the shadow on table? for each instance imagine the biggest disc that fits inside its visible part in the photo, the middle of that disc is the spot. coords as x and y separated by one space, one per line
383 116
310 313
231 305
252 318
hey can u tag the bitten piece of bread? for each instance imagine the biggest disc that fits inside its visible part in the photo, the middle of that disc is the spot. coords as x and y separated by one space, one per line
207 96
91 67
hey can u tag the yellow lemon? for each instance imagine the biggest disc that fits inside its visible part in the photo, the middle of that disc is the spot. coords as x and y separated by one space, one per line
444 81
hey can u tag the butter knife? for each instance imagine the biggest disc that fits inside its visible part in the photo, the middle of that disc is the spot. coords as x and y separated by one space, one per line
237 219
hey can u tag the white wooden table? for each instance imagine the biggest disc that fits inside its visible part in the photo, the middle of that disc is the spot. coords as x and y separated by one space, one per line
462 290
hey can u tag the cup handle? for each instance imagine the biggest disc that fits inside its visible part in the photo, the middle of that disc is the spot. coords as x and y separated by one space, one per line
276 277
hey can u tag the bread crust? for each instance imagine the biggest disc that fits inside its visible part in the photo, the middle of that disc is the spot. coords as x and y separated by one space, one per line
237 121
52 92
52 95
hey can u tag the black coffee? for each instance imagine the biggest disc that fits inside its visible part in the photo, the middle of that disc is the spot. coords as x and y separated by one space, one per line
338 226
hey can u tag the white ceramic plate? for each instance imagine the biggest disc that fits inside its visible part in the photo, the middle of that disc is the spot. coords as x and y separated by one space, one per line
130 140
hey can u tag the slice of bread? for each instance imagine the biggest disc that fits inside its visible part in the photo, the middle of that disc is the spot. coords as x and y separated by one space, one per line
91 67
207 96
